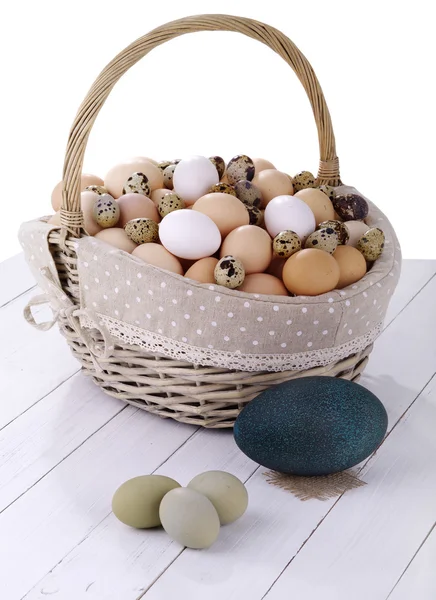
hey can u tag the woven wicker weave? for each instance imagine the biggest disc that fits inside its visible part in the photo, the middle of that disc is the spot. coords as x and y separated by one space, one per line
207 396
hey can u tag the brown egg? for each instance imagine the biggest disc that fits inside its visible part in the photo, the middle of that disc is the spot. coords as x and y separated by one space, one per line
157 195
157 255
352 265
263 283
224 179
276 267
319 203
273 183
311 272
226 211
115 236
252 245
203 270
134 206
260 164
85 180
355 231
87 202
147 158
55 219
119 174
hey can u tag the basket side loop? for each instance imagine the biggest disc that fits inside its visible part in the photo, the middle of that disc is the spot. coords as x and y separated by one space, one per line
100 90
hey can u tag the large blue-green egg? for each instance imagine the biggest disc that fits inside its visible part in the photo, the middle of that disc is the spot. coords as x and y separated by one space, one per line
311 426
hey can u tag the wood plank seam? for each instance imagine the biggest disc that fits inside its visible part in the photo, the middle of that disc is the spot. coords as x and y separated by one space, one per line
368 460
410 301
32 287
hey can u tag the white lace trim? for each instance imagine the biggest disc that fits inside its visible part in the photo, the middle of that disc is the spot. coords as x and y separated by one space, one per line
300 361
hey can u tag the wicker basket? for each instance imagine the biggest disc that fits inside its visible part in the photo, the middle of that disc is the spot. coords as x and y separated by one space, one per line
186 381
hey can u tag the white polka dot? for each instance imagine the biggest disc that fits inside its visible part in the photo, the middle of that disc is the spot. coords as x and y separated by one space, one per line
289 322
116 312
365 295
212 287
127 305
104 296
40 249
199 331
137 322
163 284
95 257
213 323
150 292
260 319
148 315
354 287
187 316
189 293
304 309
32 236
347 303
107 273
97 280
160 309
246 304
356 311
370 283
217 299
159 330
374 302
184 339
350 331
210 346
283 345
174 301
391 274
255 342
138 275
309 344
331 300
299 333
85 264
173 323
275 307
127 282
230 315
256 295
32 257
325 332
379 285
94 304
202 308
226 338
138 299
242 329
316 322
271 332
345 325
367 323
331 310
86 287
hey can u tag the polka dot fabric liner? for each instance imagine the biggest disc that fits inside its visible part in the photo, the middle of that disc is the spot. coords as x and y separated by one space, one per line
211 325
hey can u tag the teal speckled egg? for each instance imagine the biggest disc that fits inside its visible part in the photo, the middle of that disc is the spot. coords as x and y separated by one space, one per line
311 426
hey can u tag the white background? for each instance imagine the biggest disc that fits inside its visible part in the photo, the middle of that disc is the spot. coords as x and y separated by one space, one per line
221 93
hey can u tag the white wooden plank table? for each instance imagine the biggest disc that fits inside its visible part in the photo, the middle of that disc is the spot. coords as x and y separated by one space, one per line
65 447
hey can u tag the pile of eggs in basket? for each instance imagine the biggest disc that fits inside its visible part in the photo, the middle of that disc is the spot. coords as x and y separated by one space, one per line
244 225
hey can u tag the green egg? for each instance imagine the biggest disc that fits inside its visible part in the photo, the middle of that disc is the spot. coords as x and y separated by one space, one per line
226 492
136 502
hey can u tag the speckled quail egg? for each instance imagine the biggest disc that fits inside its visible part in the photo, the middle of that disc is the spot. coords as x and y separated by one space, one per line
303 180
229 272
97 189
351 207
137 183
222 188
106 211
339 227
168 176
163 164
371 244
328 190
219 163
323 239
255 214
169 203
240 167
142 230
248 193
286 243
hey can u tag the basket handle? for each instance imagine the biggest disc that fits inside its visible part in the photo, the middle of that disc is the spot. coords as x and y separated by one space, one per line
328 173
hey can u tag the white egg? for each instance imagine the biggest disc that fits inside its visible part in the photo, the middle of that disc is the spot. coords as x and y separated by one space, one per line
189 234
289 213
193 177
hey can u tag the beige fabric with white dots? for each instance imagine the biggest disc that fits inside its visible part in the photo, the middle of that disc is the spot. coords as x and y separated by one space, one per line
211 325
